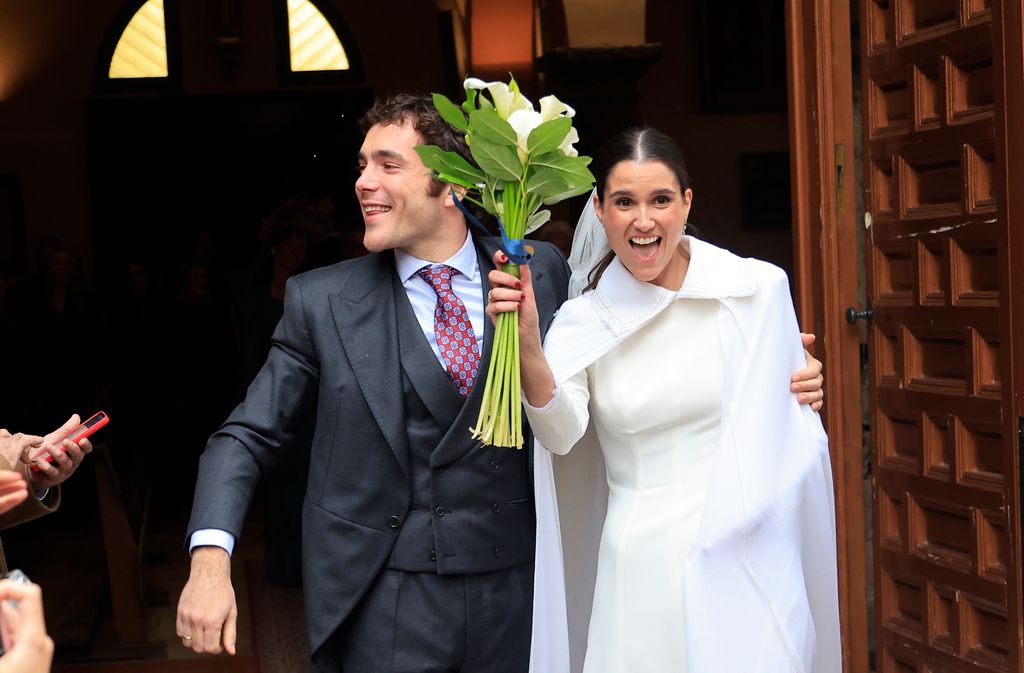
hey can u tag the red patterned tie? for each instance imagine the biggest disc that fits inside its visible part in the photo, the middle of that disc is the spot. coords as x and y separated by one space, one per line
452 329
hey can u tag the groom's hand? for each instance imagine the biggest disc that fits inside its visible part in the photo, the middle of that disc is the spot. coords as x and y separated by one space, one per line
807 382
207 612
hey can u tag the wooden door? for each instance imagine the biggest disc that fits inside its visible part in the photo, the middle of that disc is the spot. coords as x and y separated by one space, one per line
825 272
945 482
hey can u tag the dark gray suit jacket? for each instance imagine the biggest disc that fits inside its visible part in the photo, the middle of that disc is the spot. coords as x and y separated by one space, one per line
334 361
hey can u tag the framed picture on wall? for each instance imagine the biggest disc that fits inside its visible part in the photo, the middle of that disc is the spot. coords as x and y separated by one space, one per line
742 56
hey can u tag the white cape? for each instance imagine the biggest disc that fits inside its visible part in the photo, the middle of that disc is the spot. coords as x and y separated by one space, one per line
761 588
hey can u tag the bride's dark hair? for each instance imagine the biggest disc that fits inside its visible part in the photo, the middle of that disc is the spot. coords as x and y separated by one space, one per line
639 145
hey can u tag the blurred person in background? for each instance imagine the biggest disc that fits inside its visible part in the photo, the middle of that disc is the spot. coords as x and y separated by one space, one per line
51 311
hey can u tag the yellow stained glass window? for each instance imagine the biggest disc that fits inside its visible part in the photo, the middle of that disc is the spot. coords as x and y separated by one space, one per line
313 44
142 49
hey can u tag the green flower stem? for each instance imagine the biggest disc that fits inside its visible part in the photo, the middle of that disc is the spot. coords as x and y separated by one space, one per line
515 412
500 422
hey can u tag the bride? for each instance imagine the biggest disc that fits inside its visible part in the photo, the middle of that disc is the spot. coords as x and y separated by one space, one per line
696 509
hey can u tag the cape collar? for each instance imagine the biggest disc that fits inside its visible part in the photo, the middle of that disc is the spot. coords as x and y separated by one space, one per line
623 302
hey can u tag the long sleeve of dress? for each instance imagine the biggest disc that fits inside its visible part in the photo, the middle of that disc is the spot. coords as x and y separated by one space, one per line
561 422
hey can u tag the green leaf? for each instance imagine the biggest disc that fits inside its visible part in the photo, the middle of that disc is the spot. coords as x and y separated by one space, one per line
545 181
453 180
451 163
469 104
537 220
488 125
558 198
512 85
571 166
450 112
573 172
548 136
497 161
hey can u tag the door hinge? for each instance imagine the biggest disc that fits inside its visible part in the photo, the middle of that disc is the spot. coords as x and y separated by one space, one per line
840 176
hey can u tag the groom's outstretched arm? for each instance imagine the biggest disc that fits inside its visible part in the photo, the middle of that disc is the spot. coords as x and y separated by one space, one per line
258 434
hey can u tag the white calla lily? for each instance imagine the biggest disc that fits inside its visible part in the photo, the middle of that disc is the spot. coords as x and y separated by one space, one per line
505 101
567 144
512 102
552 108
523 122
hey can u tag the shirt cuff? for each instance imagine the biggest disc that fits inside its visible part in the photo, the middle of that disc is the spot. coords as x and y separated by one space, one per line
547 407
212 537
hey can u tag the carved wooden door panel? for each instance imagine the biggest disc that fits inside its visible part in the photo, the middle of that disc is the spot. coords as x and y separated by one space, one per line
940 484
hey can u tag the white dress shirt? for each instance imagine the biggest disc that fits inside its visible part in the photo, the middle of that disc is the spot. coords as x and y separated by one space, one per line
466 285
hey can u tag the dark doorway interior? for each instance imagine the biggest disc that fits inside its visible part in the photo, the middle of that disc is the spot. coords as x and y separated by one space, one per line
166 169
182 187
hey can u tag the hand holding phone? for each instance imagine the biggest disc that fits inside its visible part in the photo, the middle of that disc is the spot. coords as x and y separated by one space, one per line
80 432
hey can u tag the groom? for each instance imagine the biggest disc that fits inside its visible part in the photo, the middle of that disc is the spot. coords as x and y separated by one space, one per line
417 541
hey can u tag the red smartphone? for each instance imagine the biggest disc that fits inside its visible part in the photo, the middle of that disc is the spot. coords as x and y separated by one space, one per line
91 425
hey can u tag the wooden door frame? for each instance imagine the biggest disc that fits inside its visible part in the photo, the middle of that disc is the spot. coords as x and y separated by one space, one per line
825 233
1008 76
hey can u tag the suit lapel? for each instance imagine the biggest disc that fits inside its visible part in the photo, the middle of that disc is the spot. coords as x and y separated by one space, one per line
366 319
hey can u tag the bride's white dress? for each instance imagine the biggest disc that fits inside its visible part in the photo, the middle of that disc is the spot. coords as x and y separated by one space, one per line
744 577
655 401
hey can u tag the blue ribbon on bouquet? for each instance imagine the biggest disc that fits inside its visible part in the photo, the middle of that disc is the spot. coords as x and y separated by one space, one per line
515 248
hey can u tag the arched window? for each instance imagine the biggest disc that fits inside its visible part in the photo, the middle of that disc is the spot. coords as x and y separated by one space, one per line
313 46
141 51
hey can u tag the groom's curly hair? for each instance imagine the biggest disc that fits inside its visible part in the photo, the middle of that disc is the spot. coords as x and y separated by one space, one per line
400 108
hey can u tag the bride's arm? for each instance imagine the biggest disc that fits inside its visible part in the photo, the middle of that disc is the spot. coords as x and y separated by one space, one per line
558 417
560 424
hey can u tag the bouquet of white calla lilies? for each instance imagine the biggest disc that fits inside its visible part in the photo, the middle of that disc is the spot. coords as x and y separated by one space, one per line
525 159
